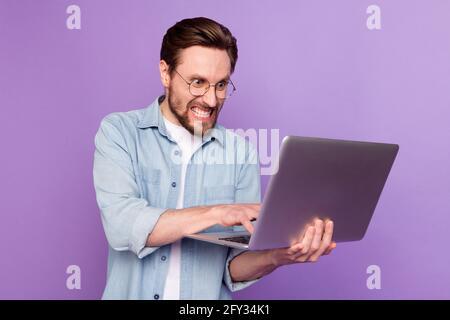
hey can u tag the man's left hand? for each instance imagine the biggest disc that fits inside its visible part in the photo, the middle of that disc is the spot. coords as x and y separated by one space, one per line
316 242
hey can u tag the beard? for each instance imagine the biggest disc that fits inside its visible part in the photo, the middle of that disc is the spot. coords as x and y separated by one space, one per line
181 112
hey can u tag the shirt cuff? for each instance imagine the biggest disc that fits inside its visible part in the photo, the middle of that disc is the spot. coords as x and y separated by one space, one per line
231 285
143 226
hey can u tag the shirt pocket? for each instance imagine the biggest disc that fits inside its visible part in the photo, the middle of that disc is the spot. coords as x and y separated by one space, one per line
151 179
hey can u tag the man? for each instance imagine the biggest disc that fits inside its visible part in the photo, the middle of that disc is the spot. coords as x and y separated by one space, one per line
154 186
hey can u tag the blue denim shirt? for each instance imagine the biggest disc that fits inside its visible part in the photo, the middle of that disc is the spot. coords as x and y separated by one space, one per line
136 177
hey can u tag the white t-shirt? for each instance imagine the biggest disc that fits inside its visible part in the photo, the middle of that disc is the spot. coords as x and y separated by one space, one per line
188 145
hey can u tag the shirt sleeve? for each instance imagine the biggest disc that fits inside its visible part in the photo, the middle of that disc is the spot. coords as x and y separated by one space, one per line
127 218
248 191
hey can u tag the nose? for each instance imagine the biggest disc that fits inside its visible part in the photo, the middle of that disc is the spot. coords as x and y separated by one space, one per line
210 97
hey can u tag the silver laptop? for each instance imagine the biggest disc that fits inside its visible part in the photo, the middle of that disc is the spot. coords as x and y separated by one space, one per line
322 178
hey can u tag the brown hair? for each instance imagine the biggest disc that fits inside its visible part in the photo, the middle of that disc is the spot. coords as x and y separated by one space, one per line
198 31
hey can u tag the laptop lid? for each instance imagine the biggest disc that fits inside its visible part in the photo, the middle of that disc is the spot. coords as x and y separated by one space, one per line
322 178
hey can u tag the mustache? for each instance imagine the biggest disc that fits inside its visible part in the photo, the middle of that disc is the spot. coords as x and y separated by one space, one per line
203 105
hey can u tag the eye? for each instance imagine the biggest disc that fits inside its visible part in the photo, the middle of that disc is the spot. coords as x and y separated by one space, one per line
198 83
221 85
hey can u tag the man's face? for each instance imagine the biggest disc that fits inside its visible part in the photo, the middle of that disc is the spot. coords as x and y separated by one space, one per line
197 114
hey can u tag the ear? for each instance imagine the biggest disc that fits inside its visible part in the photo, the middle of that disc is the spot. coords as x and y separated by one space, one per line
164 73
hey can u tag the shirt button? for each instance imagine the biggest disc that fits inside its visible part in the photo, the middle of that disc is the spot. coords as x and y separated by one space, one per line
174 184
177 152
156 296
213 139
163 258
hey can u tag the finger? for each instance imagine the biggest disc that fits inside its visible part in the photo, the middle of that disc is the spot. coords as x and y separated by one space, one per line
330 248
307 239
317 240
299 256
294 249
247 225
326 241
252 212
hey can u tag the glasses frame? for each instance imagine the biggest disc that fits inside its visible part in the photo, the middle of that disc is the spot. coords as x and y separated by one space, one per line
209 86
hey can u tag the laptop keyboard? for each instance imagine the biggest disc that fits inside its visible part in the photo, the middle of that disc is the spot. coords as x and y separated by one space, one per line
243 239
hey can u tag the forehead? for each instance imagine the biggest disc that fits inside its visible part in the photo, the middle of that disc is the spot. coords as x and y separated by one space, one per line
211 63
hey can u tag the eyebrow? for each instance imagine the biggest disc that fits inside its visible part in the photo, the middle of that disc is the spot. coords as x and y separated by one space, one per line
197 76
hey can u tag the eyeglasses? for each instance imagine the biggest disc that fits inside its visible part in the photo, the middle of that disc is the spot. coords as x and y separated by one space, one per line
199 87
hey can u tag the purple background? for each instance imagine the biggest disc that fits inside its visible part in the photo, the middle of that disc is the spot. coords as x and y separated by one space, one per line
306 67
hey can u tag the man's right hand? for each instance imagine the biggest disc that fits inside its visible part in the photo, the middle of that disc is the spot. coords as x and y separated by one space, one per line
175 224
236 214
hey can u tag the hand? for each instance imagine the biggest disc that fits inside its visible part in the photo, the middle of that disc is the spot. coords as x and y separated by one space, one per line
236 214
316 242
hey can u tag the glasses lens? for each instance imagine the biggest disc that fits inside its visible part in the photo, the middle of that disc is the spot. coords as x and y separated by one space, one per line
224 89
199 87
